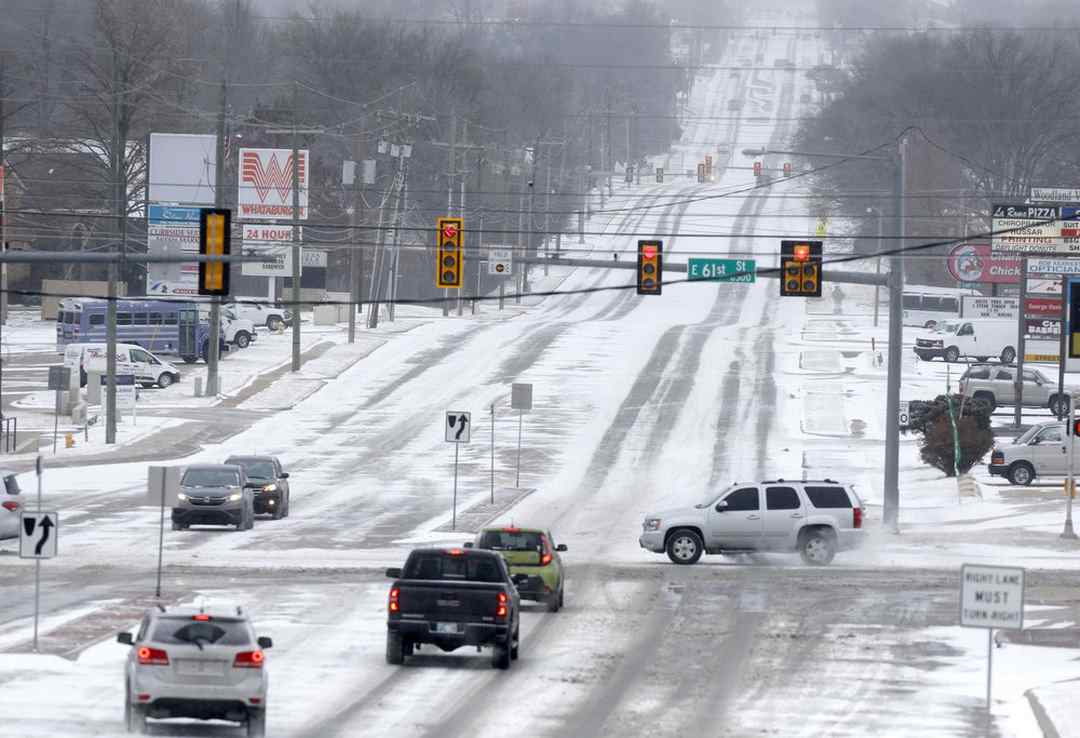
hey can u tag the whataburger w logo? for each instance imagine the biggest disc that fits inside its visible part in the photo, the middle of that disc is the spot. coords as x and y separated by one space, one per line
266 183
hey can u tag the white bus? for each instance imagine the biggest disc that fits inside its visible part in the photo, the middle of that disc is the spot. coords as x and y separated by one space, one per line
925 307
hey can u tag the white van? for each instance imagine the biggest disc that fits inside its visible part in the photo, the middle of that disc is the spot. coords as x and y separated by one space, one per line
981 339
149 370
925 307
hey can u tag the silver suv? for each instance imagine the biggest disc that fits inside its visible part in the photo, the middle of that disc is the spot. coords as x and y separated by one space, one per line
214 494
995 385
195 662
815 518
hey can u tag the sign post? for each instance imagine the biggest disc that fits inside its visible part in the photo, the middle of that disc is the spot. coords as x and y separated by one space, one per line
38 532
59 378
163 485
458 430
1070 435
991 597
520 400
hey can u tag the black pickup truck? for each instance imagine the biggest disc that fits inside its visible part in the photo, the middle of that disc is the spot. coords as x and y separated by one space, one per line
451 598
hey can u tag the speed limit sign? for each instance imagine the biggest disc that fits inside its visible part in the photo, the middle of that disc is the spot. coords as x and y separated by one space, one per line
904 417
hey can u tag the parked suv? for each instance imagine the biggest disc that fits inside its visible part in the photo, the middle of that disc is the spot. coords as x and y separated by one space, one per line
268 482
994 384
214 494
260 314
195 662
1040 452
815 518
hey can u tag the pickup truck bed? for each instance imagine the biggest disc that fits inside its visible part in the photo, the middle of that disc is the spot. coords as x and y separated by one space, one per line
451 598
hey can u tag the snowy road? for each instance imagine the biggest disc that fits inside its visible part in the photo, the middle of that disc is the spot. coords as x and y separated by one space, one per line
641 404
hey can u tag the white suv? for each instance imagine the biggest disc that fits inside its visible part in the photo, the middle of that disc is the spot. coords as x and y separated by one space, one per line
254 309
815 518
196 662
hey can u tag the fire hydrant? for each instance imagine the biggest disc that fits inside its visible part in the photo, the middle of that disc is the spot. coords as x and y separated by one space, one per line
69 440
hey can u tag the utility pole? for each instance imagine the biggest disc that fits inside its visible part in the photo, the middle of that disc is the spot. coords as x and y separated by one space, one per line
891 506
3 207
356 254
461 203
213 353
296 266
120 197
403 201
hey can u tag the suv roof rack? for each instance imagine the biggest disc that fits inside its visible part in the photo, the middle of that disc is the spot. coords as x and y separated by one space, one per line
781 480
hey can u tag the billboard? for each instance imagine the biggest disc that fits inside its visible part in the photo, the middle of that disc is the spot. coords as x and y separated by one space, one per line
974 263
182 168
266 187
992 308
172 230
1035 229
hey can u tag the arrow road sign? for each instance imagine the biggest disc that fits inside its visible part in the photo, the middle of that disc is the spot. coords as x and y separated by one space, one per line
905 413
458 427
37 535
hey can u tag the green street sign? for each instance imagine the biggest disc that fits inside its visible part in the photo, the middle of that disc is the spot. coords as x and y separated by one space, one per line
721 270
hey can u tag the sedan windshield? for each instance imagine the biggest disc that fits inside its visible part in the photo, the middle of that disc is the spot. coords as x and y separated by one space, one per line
210 478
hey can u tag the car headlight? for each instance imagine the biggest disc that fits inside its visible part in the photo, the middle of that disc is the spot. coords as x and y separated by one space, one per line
270 488
235 496
181 496
652 524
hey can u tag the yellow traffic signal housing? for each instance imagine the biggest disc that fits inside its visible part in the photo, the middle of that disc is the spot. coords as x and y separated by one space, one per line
215 239
800 268
650 267
448 253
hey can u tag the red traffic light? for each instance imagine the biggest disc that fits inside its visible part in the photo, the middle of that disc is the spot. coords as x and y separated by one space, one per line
802 252
649 252
757 168
449 231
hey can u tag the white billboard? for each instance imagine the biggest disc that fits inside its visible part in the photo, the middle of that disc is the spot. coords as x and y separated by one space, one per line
182 168
993 308
265 184
172 231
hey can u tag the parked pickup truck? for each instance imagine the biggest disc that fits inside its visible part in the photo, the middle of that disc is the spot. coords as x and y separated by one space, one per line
451 598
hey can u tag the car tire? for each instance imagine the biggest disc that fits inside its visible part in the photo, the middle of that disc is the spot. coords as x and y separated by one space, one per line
1008 355
243 340
817 547
1021 473
395 648
515 646
274 323
930 324
500 656
288 504
684 546
982 358
256 723
988 398
134 717
165 380
554 602
952 354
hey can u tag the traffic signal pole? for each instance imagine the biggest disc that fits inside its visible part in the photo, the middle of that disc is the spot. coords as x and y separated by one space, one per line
296 234
1070 434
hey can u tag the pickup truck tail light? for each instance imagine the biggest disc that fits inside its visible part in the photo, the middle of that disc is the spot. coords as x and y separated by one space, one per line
857 520
394 593
501 609
249 660
153 656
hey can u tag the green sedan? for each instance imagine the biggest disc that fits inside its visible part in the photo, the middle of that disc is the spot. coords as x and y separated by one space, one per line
534 561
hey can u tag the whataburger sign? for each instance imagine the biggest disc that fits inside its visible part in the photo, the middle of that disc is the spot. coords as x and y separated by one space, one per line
265 190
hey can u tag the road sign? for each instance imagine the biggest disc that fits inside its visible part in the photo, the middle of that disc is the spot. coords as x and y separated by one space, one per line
721 270
992 597
458 427
904 416
1035 229
59 377
501 262
659 175
521 396
38 532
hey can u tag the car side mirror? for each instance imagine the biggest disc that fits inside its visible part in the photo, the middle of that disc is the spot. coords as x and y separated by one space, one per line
265 642
125 638
561 547
284 475
394 572
721 506
468 544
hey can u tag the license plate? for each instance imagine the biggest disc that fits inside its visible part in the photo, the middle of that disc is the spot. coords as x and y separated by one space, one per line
447 627
200 668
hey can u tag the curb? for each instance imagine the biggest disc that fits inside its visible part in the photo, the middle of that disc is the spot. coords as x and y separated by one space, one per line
1046 725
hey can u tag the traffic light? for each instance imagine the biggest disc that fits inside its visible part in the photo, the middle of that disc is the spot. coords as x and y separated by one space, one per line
448 254
650 267
1072 312
800 266
215 239
787 168
659 175
757 168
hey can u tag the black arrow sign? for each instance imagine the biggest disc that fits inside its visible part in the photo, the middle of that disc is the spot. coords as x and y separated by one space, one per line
46 525
464 421
29 524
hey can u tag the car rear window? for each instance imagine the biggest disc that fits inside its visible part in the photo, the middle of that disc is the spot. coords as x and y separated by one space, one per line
506 540
208 632
828 497
451 567
982 372
255 469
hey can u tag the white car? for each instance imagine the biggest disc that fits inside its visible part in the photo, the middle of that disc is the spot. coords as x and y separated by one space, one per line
259 313
195 662
815 518
235 331
12 503
149 370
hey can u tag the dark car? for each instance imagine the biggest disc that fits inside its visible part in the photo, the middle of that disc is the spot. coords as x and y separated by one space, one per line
269 482
451 598
214 494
